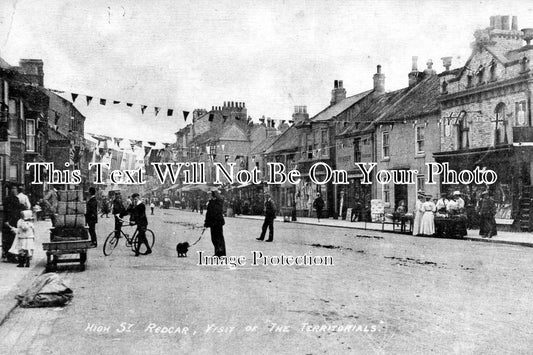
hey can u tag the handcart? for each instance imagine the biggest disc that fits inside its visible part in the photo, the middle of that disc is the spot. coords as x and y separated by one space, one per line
56 249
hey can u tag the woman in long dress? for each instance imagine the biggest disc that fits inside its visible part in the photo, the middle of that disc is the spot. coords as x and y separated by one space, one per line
427 226
418 214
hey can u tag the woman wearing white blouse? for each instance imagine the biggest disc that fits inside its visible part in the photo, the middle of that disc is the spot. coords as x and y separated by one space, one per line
418 214
427 226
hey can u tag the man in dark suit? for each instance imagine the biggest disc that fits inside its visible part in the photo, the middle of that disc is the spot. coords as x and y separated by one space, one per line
138 217
318 204
214 219
270 216
91 215
118 211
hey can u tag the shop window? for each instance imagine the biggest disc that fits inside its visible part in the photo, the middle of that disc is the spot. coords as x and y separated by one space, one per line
500 125
420 139
385 144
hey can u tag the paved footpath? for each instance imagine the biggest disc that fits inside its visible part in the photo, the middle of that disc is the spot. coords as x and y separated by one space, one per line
16 279
503 237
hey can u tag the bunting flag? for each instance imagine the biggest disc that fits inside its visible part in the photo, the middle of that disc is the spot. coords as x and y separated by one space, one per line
89 99
170 112
211 117
74 97
129 104
115 102
143 107
102 102
185 114
156 110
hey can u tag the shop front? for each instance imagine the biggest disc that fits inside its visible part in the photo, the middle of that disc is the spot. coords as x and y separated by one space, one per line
512 166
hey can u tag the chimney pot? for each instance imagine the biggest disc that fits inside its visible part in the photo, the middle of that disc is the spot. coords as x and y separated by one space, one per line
492 22
497 22
527 35
336 84
447 62
514 25
414 66
340 83
505 23
378 69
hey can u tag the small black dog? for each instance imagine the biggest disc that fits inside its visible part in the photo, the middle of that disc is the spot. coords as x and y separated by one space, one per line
182 249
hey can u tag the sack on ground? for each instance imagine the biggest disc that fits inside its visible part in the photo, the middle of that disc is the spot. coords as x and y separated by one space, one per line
47 290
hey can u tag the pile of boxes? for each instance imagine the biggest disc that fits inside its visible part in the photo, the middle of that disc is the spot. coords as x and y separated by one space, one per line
69 221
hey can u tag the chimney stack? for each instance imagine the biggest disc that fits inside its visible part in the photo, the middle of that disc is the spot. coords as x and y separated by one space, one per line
338 93
379 81
300 114
429 71
527 35
414 76
33 70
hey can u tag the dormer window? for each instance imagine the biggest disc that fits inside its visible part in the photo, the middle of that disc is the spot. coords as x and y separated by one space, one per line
469 80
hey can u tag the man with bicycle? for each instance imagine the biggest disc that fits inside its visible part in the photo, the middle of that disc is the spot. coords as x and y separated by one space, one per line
138 217
118 211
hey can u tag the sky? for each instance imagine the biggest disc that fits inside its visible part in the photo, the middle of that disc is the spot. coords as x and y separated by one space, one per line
272 55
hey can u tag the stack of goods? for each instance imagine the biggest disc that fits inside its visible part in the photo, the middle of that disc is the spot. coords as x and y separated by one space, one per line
70 217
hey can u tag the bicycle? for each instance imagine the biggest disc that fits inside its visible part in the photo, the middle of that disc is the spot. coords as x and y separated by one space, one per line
112 241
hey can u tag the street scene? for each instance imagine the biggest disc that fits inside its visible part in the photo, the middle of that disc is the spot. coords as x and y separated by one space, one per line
385 293
250 177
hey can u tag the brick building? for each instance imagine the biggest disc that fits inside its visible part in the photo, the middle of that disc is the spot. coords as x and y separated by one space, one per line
486 117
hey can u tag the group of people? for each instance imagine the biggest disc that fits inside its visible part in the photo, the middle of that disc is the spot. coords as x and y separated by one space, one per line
453 211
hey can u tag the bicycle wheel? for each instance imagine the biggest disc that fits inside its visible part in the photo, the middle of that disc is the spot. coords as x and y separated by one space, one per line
150 237
110 243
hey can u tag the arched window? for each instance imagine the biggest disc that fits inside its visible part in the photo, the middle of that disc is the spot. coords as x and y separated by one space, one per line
500 124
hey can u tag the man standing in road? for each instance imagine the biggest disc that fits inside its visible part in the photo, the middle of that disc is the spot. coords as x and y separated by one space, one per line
91 215
138 217
270 216
318 204
487 211
214 219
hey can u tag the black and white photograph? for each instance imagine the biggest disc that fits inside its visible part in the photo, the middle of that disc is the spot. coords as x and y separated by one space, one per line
266 177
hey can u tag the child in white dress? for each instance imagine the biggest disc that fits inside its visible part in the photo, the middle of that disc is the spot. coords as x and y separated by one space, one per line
24 243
